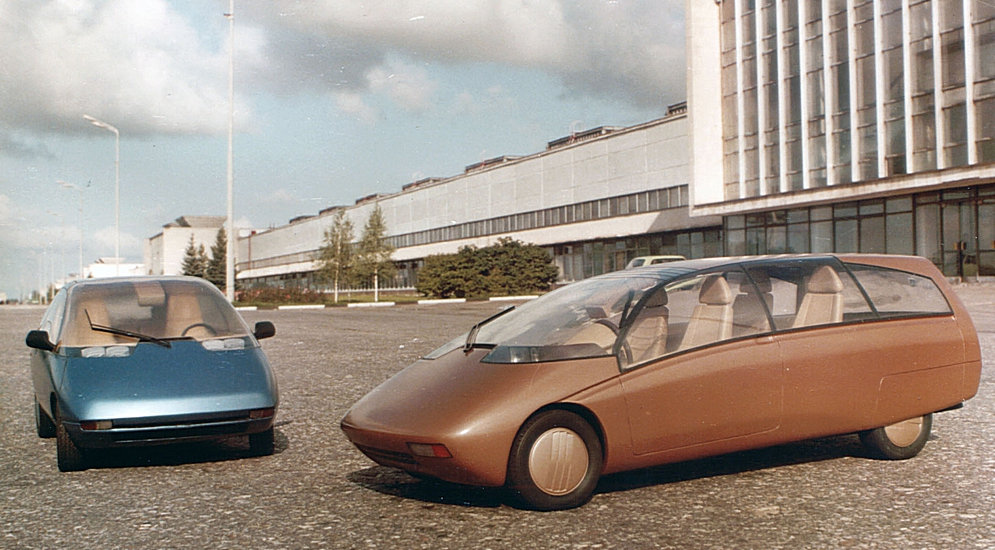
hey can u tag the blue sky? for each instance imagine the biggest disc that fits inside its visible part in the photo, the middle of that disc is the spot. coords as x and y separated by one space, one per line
335 100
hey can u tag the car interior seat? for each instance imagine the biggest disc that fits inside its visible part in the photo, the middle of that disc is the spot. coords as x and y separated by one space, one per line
184 318
711 320
749 315
86 311
647 338
823 300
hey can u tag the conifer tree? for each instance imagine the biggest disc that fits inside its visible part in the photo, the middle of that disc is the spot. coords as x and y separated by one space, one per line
217 266
194 259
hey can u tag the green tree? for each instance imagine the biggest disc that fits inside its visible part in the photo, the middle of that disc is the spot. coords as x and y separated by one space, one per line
194 260
217 266
373 255
336 259
506 268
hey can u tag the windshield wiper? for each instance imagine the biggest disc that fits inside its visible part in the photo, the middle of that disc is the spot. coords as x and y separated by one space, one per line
128 333
471 337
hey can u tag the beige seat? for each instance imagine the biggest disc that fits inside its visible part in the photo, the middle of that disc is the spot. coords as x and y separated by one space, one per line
648 336
711 320
183 312
823 300
79 333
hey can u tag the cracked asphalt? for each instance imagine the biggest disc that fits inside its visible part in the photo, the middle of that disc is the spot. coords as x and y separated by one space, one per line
317 491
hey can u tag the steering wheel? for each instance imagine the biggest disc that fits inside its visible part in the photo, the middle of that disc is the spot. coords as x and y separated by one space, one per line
626 349
212 330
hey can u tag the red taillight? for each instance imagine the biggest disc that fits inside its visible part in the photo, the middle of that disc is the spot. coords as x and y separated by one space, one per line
431 450
261 413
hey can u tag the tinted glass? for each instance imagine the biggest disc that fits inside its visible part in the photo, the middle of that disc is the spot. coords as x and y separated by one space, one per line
897 293
165 309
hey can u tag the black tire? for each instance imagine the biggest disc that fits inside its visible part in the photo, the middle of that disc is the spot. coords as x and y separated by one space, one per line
44 425
71 458
899 441
261 444
572 466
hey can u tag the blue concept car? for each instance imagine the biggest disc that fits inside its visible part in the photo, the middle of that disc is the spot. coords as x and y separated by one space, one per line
148 360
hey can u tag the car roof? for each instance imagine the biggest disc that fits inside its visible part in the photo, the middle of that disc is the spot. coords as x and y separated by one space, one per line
80 283
672 270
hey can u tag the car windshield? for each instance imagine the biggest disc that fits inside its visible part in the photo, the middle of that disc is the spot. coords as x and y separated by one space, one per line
579 320
123 312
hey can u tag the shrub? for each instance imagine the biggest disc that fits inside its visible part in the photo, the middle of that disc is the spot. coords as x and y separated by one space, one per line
506 268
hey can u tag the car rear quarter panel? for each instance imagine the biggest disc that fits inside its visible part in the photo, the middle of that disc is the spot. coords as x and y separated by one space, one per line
971 361
838 379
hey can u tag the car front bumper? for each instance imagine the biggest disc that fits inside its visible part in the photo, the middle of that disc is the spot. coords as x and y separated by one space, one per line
162 430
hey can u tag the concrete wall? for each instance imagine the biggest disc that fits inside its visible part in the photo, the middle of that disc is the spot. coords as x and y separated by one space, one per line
641 158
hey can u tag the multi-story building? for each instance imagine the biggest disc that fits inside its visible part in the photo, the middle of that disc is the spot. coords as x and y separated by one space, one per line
846 125
594 199
165 251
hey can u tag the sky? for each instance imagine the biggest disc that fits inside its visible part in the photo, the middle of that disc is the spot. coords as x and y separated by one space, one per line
334 100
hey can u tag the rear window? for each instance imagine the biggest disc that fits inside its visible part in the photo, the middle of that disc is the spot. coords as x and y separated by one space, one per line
898 293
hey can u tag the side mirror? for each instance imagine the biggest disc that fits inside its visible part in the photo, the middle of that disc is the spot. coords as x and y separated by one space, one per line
264 329
38 339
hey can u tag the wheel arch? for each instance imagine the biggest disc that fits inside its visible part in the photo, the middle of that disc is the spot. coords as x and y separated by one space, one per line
586 414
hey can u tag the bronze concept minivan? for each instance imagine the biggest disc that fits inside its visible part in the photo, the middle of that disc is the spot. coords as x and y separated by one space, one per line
679 361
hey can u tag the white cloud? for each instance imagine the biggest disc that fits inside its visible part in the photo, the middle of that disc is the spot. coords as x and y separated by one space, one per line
132 247
409 86
353 103
139 65
630 50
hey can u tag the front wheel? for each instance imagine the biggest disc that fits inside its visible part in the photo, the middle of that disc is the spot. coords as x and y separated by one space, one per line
899 441
71 457
261 444
44 426
555 461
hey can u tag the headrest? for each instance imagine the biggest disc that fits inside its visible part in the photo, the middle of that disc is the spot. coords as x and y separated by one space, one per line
762 281
659 298
824 281
150 293
715 291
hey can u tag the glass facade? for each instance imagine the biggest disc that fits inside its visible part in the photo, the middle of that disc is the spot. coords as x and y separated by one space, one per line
582 260
831 92
955 229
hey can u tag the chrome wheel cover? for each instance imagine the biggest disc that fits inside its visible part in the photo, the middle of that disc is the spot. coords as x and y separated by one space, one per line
558 461
903 434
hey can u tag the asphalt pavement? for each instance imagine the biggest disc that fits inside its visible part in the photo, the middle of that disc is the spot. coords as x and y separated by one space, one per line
318 491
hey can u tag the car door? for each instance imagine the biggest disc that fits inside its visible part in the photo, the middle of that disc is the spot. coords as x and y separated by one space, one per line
44 363
712 382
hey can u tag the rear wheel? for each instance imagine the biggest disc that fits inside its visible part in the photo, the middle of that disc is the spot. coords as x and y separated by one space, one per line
555 461
71 457
43 423
899 441
261 444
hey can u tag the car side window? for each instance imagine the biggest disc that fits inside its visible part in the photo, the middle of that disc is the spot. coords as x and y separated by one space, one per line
690 313
898 294
52 320
811 293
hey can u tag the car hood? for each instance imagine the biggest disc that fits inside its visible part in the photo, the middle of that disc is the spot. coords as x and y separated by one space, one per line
456 395
157 381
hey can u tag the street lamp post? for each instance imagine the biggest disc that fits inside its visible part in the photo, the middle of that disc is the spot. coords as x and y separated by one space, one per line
117 189
66 185
230 250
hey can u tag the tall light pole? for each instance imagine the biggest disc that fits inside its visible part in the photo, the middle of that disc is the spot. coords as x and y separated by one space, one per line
117 189
230 250
66 185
